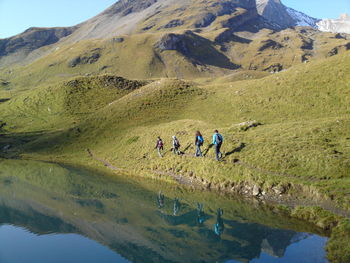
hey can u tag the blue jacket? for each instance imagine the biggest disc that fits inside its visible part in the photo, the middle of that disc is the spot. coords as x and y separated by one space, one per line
214 137
199 140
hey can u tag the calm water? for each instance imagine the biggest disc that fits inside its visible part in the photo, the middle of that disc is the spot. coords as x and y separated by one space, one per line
51 213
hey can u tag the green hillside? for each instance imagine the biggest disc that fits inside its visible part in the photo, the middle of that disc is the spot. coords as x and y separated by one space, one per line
301 146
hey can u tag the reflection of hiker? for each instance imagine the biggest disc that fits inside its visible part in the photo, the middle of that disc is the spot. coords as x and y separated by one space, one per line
176 145
217 141
200 214
160 199
219 225
199 142
160 146
177 206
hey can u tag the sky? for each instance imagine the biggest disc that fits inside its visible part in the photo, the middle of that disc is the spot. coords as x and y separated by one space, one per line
18 15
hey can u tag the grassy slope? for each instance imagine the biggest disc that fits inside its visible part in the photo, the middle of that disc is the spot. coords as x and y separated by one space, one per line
305 114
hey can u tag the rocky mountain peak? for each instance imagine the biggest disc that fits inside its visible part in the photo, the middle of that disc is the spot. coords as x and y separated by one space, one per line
276 12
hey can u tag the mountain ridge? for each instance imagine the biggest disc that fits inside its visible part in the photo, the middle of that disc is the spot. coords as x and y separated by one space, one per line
227 26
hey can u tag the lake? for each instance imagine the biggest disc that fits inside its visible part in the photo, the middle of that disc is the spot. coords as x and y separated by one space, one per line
55 213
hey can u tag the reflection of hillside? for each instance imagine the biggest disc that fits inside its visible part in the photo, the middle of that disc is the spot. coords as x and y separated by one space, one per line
46 198
35 221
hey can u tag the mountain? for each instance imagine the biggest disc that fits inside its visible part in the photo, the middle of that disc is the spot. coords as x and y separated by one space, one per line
127 17
167 38
282 16
340 25
301 19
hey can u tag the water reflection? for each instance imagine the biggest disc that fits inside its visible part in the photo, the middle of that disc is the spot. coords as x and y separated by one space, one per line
183 226
219 225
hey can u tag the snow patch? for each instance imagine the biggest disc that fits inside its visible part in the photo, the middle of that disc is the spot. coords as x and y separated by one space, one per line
341 25
302 19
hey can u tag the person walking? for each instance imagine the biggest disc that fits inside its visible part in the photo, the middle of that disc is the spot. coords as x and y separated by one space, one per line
217 141
176 146
160 146
199 142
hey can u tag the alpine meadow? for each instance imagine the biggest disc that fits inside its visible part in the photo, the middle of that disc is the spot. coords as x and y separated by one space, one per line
276 86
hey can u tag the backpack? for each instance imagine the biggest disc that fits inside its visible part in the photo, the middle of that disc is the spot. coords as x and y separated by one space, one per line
176 143
218 139
200 140
160 144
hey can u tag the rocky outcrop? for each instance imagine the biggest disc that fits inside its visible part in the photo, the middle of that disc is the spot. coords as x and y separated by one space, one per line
86 59
32 39
270 44
338 49
173 42
198 50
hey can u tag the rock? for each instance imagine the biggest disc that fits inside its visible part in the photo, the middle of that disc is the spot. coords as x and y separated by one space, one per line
270 44
277 67
307 44
333 52
279 190
336 50
174 23
4 83
205 21
74 62
340 36
118 39
87 59
172 42
248 124
256 190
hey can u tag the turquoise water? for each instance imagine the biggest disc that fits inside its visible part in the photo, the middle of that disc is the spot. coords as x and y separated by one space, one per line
52 213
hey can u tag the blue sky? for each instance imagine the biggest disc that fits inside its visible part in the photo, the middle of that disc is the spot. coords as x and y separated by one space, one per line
320 8
18 15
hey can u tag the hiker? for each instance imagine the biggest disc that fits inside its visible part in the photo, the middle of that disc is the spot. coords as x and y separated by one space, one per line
217 141
176 146
219 226
160 146
199 142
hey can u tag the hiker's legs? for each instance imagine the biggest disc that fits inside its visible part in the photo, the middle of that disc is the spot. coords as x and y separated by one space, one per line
198 151
159 152
217 151
220 154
